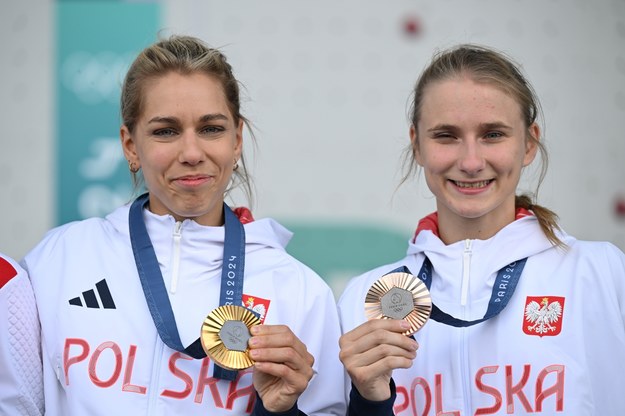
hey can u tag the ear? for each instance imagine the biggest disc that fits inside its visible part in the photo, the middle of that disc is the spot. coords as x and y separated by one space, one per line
238 145
531 144
414 142
128 146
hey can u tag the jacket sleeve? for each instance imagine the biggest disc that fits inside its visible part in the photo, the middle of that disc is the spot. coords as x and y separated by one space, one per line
21 377
315 322
259 410
359 406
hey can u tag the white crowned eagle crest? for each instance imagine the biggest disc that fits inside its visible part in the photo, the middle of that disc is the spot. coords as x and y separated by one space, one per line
259 308
542 315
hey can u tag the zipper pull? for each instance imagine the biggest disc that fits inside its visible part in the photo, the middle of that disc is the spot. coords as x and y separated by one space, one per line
176 257
466 271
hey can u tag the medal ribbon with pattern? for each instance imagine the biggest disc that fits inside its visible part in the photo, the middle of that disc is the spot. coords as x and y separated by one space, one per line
231 292
503 289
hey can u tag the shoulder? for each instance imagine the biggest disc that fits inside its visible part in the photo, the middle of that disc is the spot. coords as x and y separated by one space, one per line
351 301
20 340
591 249
60 234
599 263
267 232
73 235
601 252
266 242
10 271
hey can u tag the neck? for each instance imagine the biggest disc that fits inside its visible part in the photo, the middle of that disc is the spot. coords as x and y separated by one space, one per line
213 217
453 228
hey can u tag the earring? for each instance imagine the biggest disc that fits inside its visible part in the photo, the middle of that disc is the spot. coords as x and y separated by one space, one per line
133 168
236 165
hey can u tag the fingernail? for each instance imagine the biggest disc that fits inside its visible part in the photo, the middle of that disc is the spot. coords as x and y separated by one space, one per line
405 324
254 353
255 330
253 341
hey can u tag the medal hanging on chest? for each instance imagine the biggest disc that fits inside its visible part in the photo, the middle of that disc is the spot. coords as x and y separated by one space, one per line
505 283
230 315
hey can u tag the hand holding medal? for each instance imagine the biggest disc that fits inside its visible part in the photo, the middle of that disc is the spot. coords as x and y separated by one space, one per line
397 305
399 295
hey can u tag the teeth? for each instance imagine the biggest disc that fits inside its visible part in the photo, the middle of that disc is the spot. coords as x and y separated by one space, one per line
480 184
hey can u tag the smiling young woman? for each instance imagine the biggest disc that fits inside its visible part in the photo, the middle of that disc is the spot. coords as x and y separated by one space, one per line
514 324
472 144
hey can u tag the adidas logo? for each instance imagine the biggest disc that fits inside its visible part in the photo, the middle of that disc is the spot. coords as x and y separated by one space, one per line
91 300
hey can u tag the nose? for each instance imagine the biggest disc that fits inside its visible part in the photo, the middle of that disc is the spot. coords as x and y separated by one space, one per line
471 159
190 151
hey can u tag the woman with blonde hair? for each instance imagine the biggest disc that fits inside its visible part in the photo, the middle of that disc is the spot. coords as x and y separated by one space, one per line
157 308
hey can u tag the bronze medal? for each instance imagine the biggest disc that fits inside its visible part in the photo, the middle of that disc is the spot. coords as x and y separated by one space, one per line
399 296
224 336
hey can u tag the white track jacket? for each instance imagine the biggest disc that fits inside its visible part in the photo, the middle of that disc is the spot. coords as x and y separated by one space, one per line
528 359
101 352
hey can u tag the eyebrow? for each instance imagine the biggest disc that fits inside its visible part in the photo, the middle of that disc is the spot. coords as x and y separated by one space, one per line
211 117
495 125
173 120
483 126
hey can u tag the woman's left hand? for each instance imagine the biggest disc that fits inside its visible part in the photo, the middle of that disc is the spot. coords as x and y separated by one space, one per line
283 366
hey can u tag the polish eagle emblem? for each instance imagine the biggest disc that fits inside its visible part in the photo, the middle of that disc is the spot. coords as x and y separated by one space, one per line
543 315
256 304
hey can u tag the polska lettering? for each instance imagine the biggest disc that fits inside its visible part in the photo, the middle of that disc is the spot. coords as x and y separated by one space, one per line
505 386
78 358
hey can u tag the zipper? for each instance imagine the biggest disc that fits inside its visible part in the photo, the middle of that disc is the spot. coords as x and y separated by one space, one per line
176 257
463 333
466 271
153 390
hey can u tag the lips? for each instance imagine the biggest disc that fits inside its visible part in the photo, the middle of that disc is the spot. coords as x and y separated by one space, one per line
192 180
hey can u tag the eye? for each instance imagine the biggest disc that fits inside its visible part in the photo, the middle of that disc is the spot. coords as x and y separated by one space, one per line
493 135
444 137
164 132
212 130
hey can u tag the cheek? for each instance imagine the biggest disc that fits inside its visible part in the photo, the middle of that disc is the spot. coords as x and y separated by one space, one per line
436 162
225 155
513 164
154 160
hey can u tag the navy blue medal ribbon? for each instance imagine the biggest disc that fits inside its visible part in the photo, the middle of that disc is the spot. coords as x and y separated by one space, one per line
503 289
231 292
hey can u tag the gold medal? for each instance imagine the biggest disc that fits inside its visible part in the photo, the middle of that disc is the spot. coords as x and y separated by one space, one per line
224 336
399 296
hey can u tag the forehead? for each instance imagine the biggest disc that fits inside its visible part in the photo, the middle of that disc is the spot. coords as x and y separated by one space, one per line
174 92
464 99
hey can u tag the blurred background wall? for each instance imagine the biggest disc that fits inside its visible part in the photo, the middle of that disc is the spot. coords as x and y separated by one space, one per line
327 86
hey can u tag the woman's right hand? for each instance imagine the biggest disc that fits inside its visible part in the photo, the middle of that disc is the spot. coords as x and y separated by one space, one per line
372 350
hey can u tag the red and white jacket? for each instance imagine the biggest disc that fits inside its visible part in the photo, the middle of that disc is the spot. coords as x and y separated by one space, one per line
100 349
517 363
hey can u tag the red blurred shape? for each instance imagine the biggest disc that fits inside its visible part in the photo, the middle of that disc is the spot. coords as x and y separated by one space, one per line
412 26
619 207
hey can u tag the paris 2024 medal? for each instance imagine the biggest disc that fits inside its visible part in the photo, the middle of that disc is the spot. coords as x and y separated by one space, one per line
224 336
399 295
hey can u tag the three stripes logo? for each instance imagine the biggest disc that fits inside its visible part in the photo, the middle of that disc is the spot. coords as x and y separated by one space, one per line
91 300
